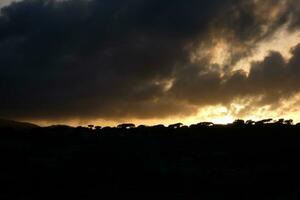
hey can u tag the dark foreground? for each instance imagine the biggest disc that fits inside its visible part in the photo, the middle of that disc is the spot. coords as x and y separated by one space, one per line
234 162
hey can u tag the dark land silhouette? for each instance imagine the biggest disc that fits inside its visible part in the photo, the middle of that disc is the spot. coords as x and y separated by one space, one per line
4 123
243 160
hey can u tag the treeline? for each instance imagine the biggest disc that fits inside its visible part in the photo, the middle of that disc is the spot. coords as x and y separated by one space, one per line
237 123
242 161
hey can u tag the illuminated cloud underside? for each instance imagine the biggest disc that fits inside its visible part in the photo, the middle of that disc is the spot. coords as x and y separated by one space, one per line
282 41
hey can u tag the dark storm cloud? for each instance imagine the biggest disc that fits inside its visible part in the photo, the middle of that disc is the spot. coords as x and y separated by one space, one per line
85 58
116 58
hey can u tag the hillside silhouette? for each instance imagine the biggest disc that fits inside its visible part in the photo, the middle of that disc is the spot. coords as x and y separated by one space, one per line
5 123
241 160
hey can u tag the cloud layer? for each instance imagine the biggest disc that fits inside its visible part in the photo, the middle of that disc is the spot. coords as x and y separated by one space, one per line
115 59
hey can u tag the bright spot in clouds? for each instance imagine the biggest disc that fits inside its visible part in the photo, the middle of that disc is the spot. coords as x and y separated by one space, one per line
282 41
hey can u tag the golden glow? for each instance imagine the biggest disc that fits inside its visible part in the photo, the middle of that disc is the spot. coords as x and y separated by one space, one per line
282 42
216 52
219 114
219 53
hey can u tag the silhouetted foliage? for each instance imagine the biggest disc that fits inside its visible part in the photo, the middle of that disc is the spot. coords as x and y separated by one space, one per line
142 127
239 122
159 126
250 122
175 126
205 124
126 126
243 160
289 122
91 126
264 121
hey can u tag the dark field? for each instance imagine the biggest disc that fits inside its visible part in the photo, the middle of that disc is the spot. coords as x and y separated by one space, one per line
215 162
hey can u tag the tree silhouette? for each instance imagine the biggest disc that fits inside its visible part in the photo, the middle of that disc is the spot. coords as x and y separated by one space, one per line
205 124
126 126
264 121
175 126
250 122
91 126
289 122
239 122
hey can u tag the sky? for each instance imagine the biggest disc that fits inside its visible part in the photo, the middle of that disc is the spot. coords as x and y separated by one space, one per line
149 61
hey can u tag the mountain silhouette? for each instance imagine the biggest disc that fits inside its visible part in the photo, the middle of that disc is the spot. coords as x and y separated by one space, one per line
5 123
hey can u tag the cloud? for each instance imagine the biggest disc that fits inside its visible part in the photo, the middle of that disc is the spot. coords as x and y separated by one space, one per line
4 3
271 80
132 59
